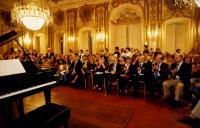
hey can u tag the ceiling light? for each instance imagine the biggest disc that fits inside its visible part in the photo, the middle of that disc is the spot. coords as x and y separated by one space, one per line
33 14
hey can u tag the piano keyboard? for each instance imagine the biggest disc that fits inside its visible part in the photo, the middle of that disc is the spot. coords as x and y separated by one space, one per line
26 90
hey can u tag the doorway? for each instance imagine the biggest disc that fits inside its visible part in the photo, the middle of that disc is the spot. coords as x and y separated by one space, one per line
86 40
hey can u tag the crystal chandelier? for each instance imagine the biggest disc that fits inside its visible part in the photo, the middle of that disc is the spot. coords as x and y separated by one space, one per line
187 3
32 14
197 2
184 3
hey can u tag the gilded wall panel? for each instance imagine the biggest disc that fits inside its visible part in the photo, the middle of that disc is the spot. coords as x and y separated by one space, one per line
116 3
86 16
170 11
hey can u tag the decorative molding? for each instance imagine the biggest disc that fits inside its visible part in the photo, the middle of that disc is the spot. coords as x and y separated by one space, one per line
127 17
100 17
86 16
59 17
170 4
5 18
116 3
170 11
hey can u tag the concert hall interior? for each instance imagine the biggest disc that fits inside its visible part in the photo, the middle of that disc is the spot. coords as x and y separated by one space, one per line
99 63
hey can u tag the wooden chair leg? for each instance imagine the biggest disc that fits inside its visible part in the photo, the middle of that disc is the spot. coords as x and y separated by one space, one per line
104 86
117 87
144 91
92 80
85 83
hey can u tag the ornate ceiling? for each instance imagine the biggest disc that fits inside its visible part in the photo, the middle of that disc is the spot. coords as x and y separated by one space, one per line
53 4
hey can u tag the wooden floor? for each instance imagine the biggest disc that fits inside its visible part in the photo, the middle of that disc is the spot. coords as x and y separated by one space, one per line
91 109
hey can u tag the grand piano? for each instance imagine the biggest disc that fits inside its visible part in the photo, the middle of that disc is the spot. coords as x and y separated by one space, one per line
14 87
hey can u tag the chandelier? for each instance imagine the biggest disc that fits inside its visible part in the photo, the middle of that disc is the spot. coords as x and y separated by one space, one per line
187 3
32 14
197 2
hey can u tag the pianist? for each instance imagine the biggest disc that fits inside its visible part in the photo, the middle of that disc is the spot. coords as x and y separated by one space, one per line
49 53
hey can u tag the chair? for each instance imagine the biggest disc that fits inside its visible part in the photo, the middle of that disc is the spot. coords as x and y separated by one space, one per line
141 85
89 80
115 84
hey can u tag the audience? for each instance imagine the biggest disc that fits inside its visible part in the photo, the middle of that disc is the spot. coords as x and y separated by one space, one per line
159 71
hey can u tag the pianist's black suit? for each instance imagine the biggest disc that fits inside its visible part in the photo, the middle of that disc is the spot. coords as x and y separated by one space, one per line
49 55
77 68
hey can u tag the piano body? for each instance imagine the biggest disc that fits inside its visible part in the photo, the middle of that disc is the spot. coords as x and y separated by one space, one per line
13 88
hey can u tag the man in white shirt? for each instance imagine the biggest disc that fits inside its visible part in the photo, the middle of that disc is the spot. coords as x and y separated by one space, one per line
181 73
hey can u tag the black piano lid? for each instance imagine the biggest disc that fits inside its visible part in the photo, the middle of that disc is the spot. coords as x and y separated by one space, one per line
7 37
13 35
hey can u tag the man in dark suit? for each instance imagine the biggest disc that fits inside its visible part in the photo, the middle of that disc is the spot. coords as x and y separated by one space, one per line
77 71
144 69
161 72
181 78
117 53
49 53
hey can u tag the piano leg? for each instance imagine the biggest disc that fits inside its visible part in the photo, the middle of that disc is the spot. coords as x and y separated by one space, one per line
47 95
20 106
6 114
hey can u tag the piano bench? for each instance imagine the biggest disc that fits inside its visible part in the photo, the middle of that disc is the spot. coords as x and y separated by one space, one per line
46 116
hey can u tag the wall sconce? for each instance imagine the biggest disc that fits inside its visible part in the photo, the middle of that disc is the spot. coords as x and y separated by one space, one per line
27 39
152 34
71 39
100 36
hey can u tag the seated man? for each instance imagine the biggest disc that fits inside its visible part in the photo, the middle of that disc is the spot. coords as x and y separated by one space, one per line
114 70
144 73
161 71
76 71
180 77
194 118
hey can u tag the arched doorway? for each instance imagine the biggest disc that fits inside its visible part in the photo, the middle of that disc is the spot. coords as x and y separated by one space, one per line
86 40
177 34
126 27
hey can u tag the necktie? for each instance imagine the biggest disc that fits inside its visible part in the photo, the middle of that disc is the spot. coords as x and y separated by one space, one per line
177 66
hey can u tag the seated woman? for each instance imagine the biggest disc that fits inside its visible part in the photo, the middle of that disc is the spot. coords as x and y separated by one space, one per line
123 79
99 74
90 69
62 71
